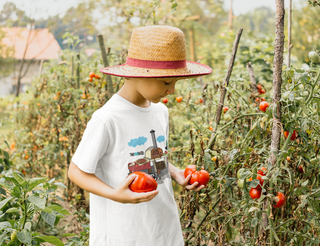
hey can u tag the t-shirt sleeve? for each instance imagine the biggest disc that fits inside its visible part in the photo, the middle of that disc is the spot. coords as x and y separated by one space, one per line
92 147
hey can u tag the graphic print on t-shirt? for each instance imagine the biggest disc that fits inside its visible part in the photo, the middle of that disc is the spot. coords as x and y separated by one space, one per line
154 161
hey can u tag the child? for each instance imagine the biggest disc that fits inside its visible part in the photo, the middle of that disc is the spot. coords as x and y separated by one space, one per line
130 133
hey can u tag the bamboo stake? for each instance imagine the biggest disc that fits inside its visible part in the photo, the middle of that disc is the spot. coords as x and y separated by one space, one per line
109 85
225 84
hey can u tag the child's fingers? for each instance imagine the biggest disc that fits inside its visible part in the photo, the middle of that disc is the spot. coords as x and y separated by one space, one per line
128 181
145 197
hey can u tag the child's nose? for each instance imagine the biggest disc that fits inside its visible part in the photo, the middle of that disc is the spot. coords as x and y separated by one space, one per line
170 90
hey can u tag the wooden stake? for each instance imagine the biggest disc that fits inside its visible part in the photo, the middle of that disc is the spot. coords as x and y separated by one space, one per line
225 85
254 89
289 33
109 85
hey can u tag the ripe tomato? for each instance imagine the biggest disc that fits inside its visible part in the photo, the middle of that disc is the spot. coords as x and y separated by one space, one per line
91 74
300 168
262 99
262 172
225 109
293 136
262 91
179 99
280 200
288 158
214 158
255 193
165 100
314 57
90 79
259 87
143 183
200 100
210 128
263 106
97 76
257 99
202 176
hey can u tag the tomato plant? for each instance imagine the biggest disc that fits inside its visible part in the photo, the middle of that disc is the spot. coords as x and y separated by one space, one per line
143 182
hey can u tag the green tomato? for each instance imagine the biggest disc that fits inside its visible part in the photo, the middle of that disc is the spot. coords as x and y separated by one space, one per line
13 235
241 170
240 183
314 57
305 93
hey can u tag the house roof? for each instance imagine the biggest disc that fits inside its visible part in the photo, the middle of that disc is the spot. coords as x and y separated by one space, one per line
41 43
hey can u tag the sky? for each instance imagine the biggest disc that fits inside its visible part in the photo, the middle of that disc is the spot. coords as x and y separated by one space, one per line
54 7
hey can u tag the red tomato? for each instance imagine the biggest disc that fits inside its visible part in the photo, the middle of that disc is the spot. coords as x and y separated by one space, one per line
179 99
200 100
143 183
91 74
90 79
255 193
262 99
288 158
293 136
300 168
262 172
259 87
225 109
97 76
202 176
257 99
165 100
263 106
280 200
262 91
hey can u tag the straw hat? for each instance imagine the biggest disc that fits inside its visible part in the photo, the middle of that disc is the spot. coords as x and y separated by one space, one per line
157 52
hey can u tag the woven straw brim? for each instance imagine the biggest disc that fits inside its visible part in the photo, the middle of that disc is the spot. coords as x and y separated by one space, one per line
193 69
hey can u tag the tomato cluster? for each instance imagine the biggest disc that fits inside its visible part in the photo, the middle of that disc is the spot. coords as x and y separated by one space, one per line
201 176
93 75
255 193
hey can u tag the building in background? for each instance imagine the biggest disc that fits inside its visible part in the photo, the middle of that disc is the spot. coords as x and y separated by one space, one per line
34 47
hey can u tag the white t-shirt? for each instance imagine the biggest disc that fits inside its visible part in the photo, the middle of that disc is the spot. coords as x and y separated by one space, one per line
121 138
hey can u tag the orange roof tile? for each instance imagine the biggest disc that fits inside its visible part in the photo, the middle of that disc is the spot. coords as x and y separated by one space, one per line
41 44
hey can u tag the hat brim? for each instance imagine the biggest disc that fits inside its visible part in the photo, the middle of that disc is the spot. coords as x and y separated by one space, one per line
193 69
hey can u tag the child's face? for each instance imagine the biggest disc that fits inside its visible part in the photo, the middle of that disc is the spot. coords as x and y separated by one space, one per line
154 89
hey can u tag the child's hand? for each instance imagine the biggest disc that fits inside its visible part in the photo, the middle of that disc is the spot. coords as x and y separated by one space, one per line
124 195
181 180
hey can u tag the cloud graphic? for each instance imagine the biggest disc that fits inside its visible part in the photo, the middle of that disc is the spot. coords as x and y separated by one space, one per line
137 141
160 138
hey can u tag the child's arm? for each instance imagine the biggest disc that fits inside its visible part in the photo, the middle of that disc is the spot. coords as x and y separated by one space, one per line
178 176
93 184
